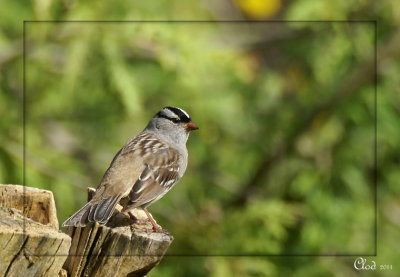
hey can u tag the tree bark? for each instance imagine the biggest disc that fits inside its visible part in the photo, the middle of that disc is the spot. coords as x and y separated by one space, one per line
119 248
28 247
39 204
32 245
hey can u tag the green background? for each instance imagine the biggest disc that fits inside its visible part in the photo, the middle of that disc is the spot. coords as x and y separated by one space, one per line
283 162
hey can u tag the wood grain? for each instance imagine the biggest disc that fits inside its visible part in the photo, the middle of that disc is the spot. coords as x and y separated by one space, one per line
120 248
34 252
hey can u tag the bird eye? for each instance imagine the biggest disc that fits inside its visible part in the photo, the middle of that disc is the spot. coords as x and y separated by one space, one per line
175 120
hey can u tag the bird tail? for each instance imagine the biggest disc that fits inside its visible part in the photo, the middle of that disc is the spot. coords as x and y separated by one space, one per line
94 212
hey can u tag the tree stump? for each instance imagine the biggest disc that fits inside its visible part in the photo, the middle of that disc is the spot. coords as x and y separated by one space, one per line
119 248
28 247
39 203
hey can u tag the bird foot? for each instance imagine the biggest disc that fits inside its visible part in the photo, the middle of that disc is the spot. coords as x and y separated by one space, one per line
155 227
137 220
159 229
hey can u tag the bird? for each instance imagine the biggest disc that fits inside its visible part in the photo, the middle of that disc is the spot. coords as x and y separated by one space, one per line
143 170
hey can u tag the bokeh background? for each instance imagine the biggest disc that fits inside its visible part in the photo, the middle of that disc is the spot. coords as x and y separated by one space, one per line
284 161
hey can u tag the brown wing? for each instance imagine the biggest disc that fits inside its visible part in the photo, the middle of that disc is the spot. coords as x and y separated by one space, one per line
161 172
135 170
119 178
125 168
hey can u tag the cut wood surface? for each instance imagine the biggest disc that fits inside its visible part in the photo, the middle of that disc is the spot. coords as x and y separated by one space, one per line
39 203
119 248
33 253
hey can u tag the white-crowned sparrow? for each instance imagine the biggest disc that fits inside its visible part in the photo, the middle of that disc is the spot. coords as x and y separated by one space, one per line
145 169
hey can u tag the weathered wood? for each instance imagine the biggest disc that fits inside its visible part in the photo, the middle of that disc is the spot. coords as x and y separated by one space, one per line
37 252
63 273
119 248
39 203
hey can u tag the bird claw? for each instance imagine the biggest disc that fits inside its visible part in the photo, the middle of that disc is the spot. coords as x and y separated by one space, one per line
155 228
159 229
137 220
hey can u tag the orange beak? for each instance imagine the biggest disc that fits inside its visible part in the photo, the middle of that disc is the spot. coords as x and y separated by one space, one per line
190 126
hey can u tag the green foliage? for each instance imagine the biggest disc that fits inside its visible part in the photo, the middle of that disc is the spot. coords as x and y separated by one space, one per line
283 162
